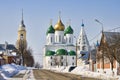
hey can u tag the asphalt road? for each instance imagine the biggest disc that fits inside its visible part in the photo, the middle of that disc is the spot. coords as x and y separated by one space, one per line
50 75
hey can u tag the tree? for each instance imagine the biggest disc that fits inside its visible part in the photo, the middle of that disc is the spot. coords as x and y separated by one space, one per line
21 48
25 54
28 57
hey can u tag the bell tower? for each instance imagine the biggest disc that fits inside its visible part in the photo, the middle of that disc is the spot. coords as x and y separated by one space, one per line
21 40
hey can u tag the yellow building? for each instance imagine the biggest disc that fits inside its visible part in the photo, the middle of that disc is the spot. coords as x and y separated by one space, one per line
21 40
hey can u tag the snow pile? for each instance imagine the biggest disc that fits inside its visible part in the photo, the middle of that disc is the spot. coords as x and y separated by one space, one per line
80 69
9 70
84 71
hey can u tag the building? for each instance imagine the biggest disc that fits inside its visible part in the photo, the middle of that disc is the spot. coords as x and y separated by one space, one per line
21 40
83 48
59 49
8 54
105 52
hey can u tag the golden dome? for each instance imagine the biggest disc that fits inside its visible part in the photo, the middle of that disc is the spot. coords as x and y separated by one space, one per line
59 26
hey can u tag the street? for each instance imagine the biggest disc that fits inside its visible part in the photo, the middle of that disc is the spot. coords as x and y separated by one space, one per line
50 75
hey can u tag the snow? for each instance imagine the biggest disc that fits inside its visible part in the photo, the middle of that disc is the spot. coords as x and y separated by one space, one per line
85 72
9 70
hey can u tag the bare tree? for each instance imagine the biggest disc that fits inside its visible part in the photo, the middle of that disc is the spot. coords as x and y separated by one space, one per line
28 58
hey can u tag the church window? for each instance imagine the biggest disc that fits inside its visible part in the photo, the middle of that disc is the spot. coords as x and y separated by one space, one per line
61 57
51 39
72 63
51 57
51 63
59 38
83 48
73 58
21 36
66 39
83 42
61 63
69 40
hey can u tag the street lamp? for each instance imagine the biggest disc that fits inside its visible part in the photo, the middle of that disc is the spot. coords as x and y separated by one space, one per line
103 45
76 49
99 23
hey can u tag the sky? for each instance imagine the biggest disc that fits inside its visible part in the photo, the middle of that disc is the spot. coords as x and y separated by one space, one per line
38 13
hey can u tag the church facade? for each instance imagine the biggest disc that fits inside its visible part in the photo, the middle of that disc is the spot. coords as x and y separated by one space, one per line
59 49
83 47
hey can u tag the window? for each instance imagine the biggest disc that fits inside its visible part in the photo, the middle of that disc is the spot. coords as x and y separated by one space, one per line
51 63
72 63
51 39
59 38
69 40
61 57
73 58
21 36
51 57
61 63
83 48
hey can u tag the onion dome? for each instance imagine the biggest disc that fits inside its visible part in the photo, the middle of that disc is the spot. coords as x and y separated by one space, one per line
49 53
50 30
72 53
69 30
59 26
61 52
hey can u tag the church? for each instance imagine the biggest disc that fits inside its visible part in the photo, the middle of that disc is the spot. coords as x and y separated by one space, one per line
59 50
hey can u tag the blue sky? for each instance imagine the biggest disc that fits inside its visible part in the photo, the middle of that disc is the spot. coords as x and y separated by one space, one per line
37 15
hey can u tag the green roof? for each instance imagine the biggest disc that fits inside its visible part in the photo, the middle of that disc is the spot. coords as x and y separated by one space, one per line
61 52
68 30
50 30
71 53
49 53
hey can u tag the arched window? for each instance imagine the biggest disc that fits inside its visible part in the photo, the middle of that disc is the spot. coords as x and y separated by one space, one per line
83 48
72 63
73 58
69 40
51 39
59 38
21 36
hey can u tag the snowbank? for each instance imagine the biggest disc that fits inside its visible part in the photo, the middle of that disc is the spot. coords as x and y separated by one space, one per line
9 70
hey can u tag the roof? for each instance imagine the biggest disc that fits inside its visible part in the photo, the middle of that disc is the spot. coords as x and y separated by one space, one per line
110 37
85 55
49 53
9 47
61 52
59 26
50 30
72 53
68 30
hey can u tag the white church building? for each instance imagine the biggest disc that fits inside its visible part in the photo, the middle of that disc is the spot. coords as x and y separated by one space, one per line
59 50
83 47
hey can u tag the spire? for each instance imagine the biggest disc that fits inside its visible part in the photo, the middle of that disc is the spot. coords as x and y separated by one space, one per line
69 23
50 21
59 17
22 21
82 39
82 23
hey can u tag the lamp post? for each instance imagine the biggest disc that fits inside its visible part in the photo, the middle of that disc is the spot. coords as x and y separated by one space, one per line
76 49
103 44
96 20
